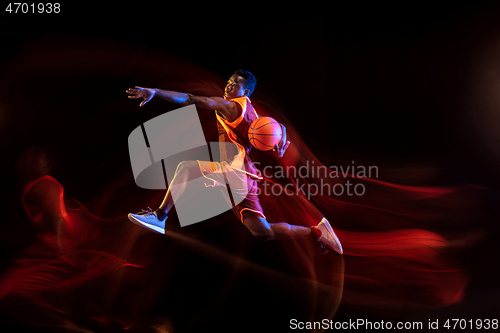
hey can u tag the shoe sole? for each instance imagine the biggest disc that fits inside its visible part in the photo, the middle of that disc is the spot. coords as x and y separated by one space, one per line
149 226
333 234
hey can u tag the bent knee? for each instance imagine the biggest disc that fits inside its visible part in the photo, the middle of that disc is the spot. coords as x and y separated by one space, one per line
263 236
259 227
188 167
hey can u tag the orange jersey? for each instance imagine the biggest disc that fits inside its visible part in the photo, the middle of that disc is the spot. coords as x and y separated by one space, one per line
237 133
235 166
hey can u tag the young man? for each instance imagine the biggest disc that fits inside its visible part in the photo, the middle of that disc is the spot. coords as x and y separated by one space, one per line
235 114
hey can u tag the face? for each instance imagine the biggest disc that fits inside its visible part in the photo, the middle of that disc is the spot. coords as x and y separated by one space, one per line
235 88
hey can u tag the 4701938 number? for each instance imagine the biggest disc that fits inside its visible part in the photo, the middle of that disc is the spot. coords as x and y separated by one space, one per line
33 8
471 324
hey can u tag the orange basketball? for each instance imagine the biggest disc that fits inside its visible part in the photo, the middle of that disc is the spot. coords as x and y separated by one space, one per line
264 133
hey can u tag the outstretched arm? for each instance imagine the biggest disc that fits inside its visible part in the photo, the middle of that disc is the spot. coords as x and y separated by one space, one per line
229 109
148 93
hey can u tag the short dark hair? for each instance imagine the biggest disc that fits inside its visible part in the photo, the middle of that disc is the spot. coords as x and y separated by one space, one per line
250 80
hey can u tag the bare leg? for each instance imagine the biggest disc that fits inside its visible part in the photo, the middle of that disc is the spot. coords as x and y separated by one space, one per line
186 171
264 230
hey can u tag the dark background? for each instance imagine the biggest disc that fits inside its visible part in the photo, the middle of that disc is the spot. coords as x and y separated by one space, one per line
397 86
377 80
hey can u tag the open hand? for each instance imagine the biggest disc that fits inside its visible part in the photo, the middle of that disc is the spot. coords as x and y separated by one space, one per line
139 92
281 147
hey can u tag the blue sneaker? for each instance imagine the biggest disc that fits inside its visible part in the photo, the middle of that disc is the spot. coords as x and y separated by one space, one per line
149 219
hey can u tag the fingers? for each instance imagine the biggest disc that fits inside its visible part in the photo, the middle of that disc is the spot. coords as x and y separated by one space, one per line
282 145
286 146
281 151
136 90
140 92
144 102
146 99
136 93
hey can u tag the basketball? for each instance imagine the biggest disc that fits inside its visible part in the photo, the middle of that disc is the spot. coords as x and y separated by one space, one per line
264 133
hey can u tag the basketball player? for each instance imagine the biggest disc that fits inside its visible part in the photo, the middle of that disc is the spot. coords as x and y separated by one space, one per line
235 114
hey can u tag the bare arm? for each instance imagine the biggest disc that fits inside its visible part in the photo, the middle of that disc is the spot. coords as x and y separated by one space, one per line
229 109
